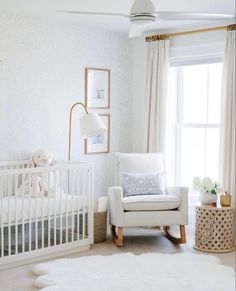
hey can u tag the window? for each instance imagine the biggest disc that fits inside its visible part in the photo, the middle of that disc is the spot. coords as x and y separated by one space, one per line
196 91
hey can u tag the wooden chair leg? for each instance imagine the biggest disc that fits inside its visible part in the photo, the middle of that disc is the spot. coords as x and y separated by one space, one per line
176 240
117 239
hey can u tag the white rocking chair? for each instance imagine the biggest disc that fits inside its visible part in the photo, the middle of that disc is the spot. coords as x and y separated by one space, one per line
146 210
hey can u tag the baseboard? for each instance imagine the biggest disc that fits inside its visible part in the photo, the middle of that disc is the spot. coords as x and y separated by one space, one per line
53 255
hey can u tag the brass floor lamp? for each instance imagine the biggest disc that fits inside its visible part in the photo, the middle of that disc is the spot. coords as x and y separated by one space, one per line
90 125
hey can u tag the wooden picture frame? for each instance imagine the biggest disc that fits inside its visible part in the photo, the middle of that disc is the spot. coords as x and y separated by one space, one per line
97 88
100 144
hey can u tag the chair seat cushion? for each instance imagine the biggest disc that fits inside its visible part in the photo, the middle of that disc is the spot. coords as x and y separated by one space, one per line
150 202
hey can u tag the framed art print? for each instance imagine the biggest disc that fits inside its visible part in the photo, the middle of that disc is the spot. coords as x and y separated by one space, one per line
99 144
97 88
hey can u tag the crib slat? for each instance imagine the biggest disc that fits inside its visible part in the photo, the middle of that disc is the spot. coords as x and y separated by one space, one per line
78 205
9 213
49 218
72 205
16 215
36 218
42 216
90 202
84 184
23 213
54 207
61 179
2 216
30 213
69 177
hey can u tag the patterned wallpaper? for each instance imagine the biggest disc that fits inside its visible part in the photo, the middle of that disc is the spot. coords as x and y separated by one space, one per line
42 74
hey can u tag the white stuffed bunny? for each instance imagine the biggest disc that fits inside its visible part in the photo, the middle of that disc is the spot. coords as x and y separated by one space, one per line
43 158
44 183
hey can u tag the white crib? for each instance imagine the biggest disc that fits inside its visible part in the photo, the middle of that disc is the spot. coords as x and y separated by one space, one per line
33 227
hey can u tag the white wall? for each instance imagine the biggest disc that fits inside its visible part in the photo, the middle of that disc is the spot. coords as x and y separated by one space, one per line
42 75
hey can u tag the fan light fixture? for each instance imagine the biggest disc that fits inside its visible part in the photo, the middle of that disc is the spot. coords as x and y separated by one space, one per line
145 6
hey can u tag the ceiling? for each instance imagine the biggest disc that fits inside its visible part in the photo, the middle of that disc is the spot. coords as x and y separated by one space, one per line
49 9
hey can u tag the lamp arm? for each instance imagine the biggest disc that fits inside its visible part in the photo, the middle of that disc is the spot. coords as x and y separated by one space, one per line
70 124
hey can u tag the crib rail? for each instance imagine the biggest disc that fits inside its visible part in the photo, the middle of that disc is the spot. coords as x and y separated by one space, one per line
44 209
15 165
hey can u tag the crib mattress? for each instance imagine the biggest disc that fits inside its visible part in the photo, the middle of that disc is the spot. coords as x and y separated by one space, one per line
19 209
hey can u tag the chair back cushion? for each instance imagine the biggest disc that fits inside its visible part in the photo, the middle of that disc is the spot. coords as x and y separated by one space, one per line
137 163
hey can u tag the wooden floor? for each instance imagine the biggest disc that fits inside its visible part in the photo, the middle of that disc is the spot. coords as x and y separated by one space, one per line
136 241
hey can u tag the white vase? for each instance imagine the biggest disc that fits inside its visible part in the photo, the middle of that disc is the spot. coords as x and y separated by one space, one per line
207 198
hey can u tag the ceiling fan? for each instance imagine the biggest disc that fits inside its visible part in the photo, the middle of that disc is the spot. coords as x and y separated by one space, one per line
143 13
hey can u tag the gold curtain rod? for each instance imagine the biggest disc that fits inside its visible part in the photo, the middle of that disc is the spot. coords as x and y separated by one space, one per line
166 36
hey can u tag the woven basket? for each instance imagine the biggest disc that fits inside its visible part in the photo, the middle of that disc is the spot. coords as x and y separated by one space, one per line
100 226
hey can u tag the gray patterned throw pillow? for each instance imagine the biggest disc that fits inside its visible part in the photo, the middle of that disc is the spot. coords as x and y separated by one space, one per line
143 184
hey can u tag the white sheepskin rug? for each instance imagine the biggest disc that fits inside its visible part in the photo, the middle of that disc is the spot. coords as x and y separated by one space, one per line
128 272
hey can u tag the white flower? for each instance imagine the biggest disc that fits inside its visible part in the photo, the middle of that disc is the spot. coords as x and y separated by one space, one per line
196 183
207 183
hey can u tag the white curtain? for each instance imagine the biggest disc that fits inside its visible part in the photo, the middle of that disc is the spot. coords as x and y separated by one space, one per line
157 79
228 136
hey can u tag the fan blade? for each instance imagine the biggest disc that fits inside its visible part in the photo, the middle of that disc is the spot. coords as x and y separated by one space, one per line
136 30
172 15
93 13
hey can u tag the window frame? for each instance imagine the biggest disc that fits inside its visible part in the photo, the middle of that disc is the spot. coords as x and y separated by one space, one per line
180 124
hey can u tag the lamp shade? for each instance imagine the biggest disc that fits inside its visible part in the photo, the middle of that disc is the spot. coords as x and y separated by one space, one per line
91 124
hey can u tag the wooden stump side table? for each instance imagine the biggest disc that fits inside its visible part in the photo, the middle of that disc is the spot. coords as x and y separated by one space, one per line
214 228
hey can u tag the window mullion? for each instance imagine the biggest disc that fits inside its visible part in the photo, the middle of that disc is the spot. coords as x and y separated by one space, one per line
200 125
